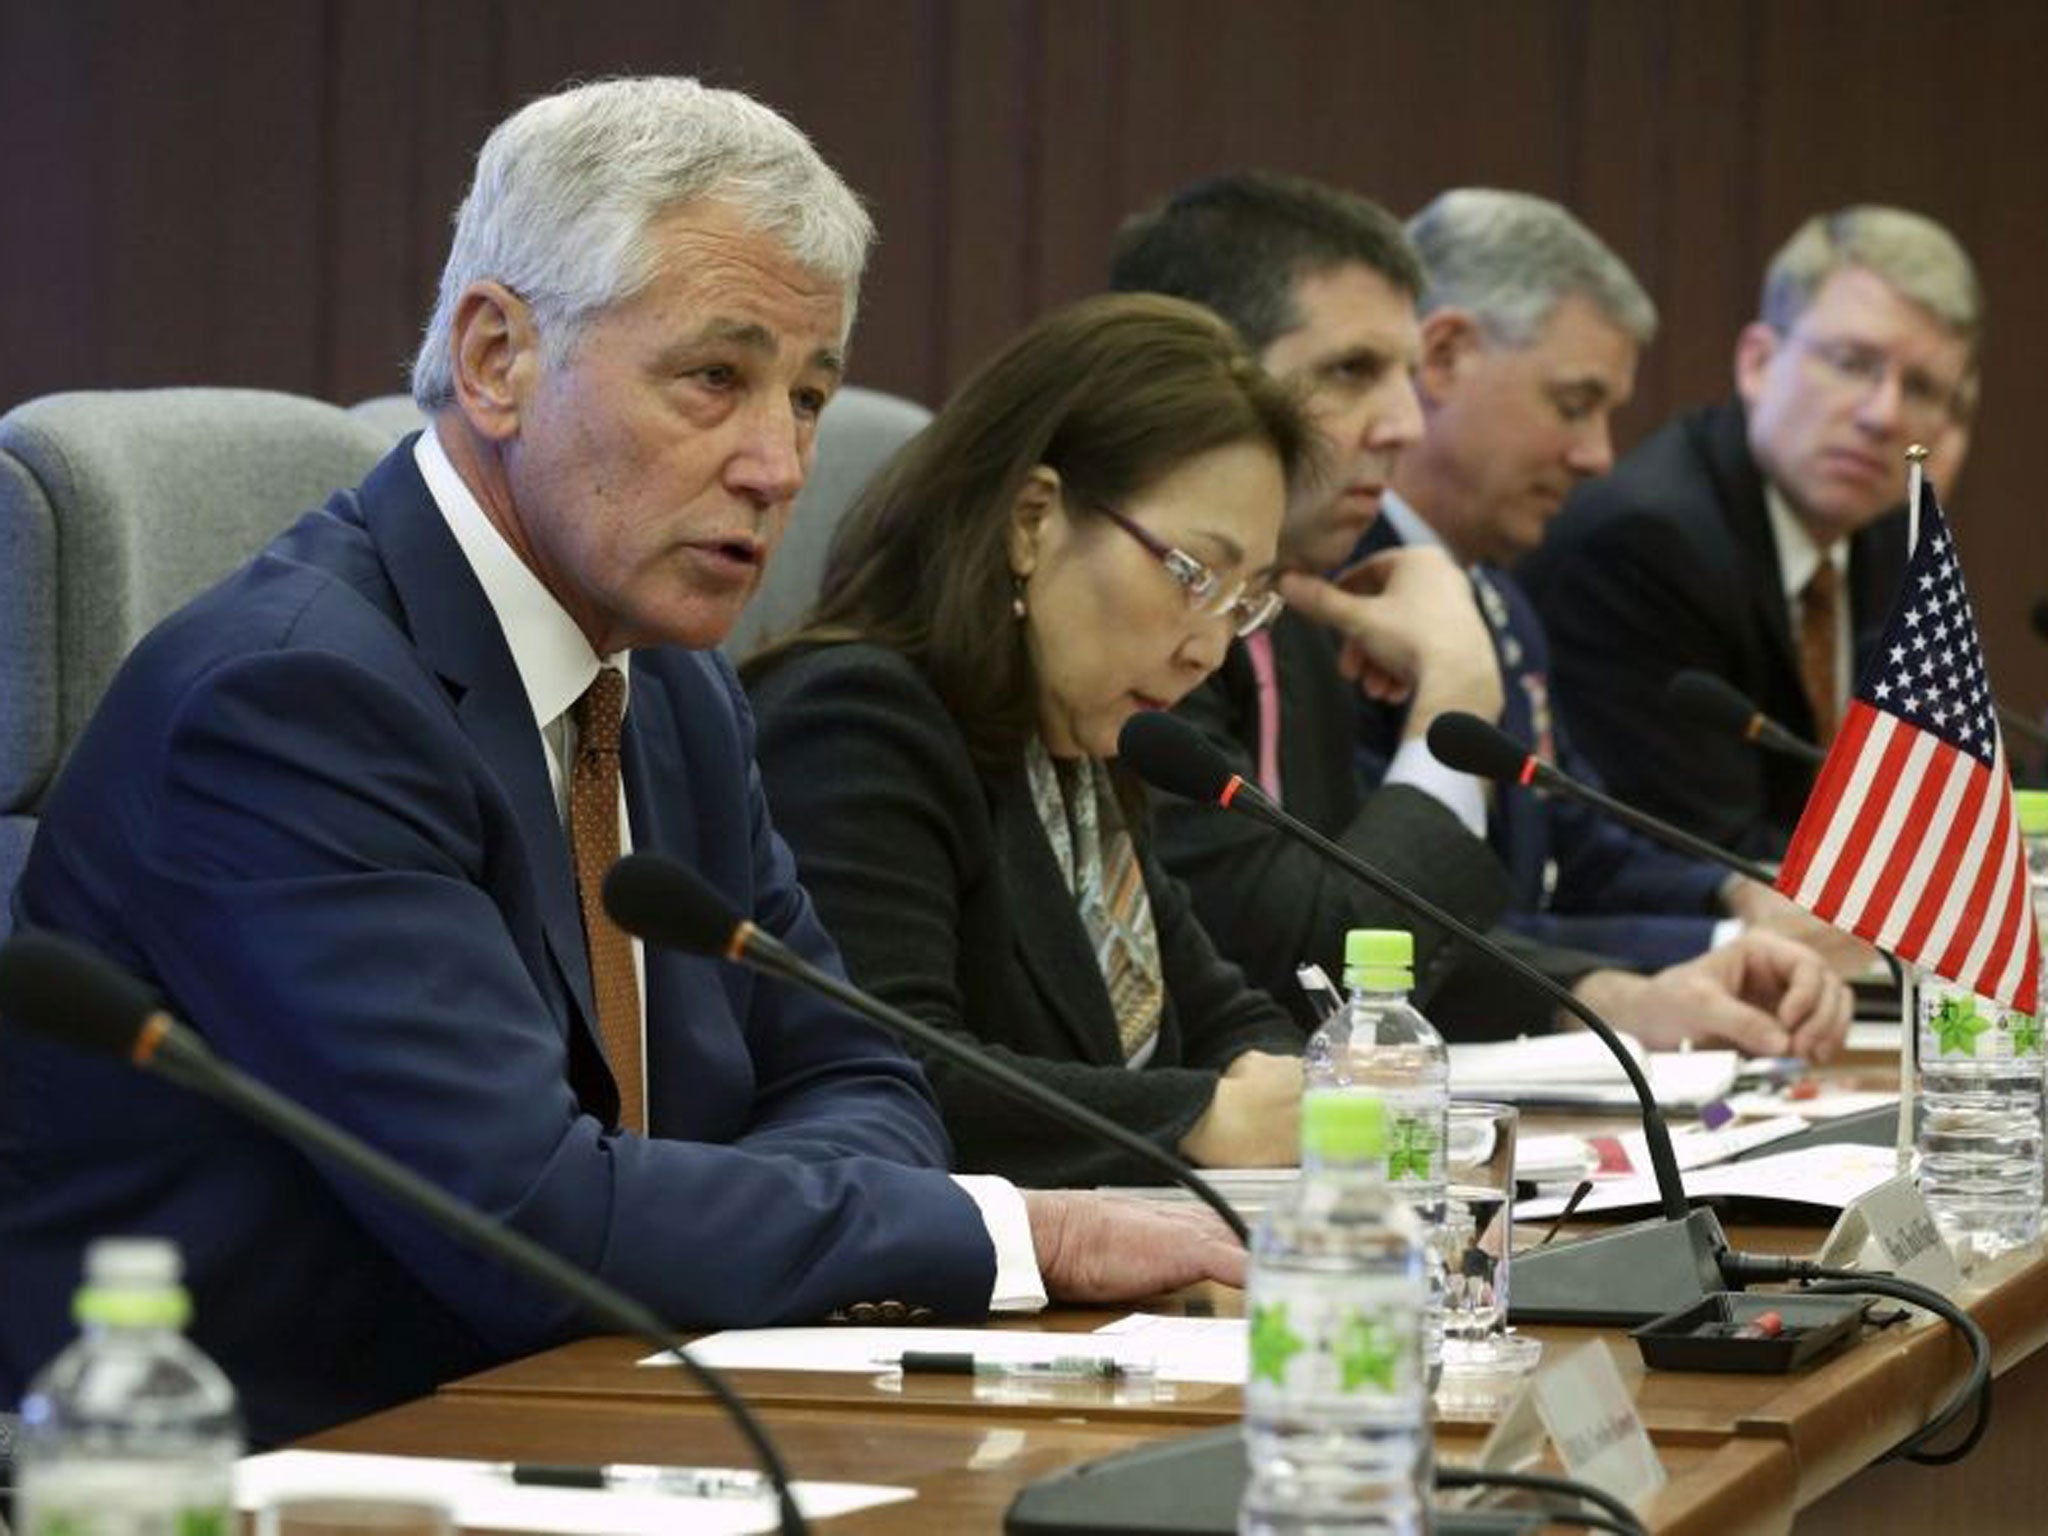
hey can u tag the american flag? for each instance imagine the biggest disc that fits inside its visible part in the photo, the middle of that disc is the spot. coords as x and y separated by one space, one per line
1909 839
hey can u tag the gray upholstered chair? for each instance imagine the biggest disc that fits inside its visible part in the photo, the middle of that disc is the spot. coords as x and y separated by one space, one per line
392 415
115 507
859 433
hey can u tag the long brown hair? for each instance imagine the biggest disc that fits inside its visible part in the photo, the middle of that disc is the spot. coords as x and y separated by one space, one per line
1111 394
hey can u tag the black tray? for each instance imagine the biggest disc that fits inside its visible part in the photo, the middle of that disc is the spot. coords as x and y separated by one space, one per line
1700 1337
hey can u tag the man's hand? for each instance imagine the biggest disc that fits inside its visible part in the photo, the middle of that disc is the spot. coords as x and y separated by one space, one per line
1104 1248
1762 994
1254 1121
1763 909
1412 632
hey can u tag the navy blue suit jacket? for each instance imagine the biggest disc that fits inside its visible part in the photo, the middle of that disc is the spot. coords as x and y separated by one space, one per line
1575 877
315 812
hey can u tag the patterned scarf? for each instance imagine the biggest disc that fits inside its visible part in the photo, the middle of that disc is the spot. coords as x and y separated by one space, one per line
1077 806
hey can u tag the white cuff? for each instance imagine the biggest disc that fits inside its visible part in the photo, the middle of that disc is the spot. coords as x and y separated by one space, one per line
1726 931
1459 793
1019 1287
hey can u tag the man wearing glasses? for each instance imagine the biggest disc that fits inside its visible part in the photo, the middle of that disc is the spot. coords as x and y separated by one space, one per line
1751 539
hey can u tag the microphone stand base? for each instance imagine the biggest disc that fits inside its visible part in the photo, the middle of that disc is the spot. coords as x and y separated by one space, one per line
1623 1277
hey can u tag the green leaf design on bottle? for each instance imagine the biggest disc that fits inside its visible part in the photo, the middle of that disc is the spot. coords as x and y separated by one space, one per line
1957 1024
1411 1150
2026 1035
1367 1352
1274 1343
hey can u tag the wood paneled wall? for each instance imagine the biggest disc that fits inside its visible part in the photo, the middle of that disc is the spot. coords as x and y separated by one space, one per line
258 191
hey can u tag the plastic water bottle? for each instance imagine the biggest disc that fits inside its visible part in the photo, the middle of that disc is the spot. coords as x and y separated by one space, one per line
1335 1407
131 1431
1980 1136
1381 1043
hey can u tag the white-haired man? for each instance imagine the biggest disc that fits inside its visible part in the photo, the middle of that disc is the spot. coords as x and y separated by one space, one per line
350 810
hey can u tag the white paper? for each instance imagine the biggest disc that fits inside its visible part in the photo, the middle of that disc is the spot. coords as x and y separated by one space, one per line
1212 1349
1573 1067
480 1494
1876 1035
1828 1104
1826 1178
1697 1147
866 1350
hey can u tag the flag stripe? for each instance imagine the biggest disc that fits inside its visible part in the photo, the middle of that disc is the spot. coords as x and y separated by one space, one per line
1899 770
1912 864
1842 801
1948 861
1827 788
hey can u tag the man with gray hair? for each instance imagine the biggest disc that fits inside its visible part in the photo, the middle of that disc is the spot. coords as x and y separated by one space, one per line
1751 539
1531 329
350 813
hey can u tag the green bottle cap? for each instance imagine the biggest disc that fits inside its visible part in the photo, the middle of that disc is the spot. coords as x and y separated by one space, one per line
132 1283
1379 959
2032 805
1341 1122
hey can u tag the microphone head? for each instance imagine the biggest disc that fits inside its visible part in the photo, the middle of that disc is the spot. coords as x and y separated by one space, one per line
1169 754
1712 701
1472 745
663 902
60 989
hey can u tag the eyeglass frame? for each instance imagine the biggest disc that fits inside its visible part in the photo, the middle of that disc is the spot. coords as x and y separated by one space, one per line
1865 367
1199 583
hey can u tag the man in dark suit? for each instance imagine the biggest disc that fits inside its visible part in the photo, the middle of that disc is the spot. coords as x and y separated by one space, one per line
1531 328
1752 539
1322 285
348 812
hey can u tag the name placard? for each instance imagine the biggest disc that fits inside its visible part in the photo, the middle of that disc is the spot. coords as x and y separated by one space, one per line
1593 1423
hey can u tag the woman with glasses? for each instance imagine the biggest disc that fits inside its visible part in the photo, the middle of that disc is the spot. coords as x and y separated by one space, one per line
1078 536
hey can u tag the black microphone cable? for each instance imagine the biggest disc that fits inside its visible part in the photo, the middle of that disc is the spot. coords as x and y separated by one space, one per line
1611 1515
1975 1392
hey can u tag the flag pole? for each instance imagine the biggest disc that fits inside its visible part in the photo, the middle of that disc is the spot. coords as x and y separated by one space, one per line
1909 977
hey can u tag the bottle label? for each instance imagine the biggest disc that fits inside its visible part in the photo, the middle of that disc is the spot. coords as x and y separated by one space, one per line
1957 1025
85 1498
1333 1344
1414 1152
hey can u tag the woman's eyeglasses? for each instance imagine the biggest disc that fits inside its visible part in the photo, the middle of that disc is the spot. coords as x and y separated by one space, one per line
1250 604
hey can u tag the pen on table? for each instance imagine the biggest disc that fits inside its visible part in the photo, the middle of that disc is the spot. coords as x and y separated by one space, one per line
689 1482
926 1362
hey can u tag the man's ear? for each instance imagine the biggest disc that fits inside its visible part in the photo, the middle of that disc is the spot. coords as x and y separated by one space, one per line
1030 514
496 350
1450 340
1755 347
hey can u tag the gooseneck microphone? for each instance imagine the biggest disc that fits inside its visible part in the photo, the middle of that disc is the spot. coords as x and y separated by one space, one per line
62 990
1479 747
1716 702
668 904
1630 1275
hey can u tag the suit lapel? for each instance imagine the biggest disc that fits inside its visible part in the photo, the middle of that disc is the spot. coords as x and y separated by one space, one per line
457 634
1761 579
1050 939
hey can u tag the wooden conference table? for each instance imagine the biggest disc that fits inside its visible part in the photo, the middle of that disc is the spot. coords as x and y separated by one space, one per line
1745 1453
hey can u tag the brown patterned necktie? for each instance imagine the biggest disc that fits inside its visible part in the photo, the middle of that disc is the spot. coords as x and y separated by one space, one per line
594 839
1820 603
